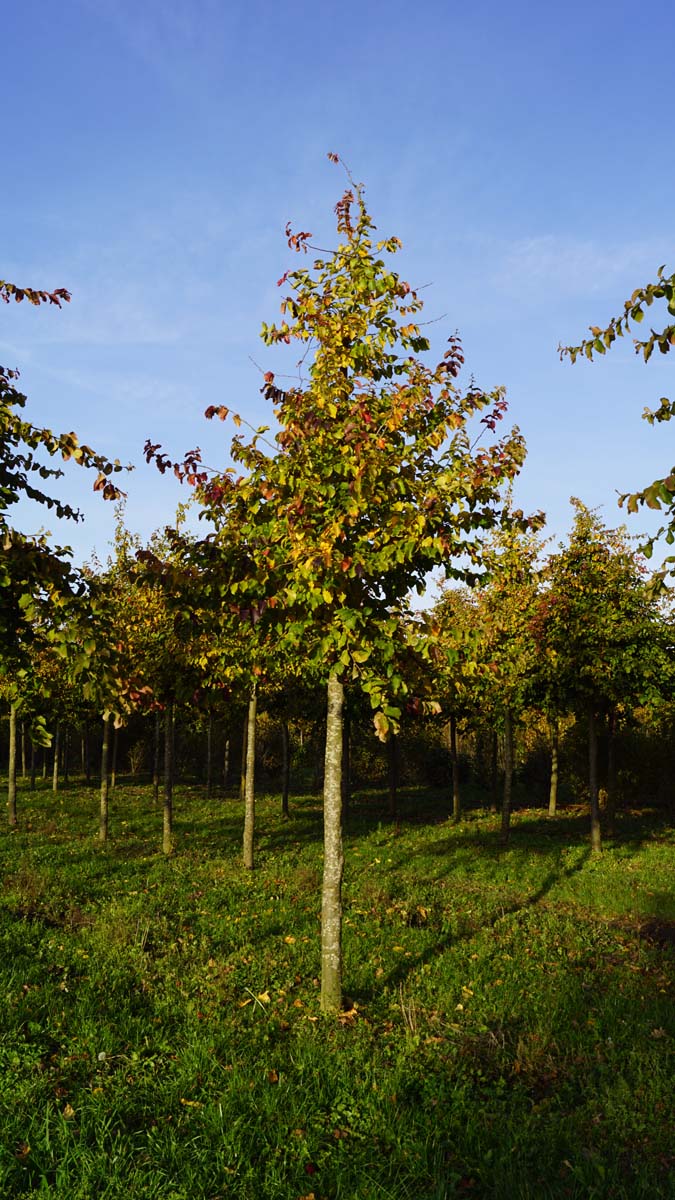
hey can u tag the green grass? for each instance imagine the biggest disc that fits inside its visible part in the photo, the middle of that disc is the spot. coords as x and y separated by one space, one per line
511 1034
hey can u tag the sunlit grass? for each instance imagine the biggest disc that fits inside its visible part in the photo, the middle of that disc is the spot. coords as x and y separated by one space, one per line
510 1031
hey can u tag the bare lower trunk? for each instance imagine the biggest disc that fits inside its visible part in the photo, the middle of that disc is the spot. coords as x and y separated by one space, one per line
244 751
249 787
167 827
333 858
157 739
23 750
55 765
553 788
454 760
596 836
285 768
11 768
508 778
105 755
33 766
494 771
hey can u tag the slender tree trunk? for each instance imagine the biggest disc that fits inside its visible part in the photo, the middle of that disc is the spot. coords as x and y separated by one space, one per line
249 782
508 778
226 764
105 756
11 768
333 857
167 831
553 787
610 808
44 762
494 771
285 769
454 761
209 756
33 765
392 774
113 772
55 765
244 753
23 750
596 836
155 760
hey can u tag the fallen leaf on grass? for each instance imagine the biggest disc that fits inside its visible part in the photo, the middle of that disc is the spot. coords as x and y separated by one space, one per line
68 1112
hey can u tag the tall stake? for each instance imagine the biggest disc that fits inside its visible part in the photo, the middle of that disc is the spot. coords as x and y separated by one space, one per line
105 753
11 770
249 785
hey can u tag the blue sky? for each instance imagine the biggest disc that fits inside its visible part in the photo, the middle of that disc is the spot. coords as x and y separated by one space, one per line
153 152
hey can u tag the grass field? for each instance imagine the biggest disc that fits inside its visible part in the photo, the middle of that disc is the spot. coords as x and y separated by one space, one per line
510 1033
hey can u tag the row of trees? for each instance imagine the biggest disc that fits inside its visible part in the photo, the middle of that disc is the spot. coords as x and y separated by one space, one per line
380 469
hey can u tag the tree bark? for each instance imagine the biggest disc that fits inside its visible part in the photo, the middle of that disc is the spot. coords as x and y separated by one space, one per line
155 760
249 782
454 761
494 771
596 836
167 827
23 750
285 769
55 765
105 754
553 787
33 765
11 769
244 751
333 857
508 778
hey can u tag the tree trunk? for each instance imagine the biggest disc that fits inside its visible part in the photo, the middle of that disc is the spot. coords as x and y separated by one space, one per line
55 765
155 760
44 762
209 756
11 768
105 754
113 772
226 764
285 769
508 778
454 760
66 755
167 830
33 765
610 808
553 788
596 837
392 774
23 750
249 782
333 857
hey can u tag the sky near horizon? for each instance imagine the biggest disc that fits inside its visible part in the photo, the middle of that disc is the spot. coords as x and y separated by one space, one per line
154 151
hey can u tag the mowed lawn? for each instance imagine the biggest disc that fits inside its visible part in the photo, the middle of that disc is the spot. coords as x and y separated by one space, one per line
509 1034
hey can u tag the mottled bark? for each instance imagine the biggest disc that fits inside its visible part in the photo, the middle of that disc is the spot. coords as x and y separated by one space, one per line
105 757
285 768
167 825
596 836
508 778
333 857
11 768
249 785
553 785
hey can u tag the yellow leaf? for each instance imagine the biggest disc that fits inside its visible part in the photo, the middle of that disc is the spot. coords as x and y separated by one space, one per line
69 1112
264 997
289 940
236 419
